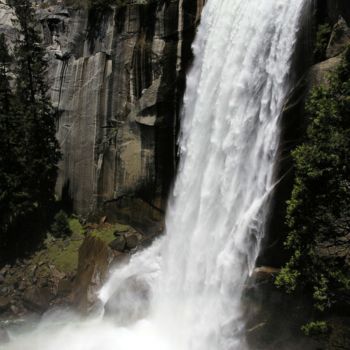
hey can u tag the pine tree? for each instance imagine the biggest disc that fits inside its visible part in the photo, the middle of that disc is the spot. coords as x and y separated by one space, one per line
28 147
11 169
41 147
5 126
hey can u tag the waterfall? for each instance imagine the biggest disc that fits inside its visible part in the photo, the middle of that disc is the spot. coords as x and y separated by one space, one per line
184 292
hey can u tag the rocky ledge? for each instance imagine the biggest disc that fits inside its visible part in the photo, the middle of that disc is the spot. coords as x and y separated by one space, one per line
66 272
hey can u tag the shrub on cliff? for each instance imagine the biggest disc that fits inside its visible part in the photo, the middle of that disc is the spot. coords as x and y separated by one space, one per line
318 213
60 226
323 35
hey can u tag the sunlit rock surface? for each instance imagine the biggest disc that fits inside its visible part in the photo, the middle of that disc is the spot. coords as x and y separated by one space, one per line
117 81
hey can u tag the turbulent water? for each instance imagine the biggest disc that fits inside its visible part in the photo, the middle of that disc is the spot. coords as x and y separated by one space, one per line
184 292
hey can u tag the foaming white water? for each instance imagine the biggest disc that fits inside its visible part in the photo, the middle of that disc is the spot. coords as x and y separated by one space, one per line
184 292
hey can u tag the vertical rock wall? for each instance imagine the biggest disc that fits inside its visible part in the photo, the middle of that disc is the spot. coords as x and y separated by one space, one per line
117 80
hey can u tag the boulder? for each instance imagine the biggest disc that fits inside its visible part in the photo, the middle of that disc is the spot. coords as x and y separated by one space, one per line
94 259
5 303
319 73
118 244
37 299
120 259
131 241
120 229
64 288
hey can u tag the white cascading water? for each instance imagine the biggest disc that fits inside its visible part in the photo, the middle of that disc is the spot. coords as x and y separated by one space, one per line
184 292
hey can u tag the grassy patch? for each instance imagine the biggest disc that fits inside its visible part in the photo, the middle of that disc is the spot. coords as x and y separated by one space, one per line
76 227
63 252
106 231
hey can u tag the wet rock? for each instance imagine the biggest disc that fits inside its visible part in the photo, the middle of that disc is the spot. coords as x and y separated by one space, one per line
94 259
15 310
64 288
120 259
131 241
118 244
5 303
2 279
266 270
37 299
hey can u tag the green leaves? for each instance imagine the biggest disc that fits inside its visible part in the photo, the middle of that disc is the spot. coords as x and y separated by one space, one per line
315 328
322 37
60 226
28 147
318 213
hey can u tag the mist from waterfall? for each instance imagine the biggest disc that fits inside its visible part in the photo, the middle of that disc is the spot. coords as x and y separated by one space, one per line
184 292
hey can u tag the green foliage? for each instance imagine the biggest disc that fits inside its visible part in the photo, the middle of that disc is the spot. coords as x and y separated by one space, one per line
28 146
315 328
76 227
322 38
13 200
60 226
318 213
40 144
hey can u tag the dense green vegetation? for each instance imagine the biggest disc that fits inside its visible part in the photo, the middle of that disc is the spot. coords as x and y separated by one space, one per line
28 147
318 214
322 38
60 226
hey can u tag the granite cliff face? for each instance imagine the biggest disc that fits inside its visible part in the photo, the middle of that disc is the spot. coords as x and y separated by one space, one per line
117 79
117 82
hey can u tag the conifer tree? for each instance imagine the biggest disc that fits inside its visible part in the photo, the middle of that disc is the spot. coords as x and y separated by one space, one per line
41 147
11 169
28 147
